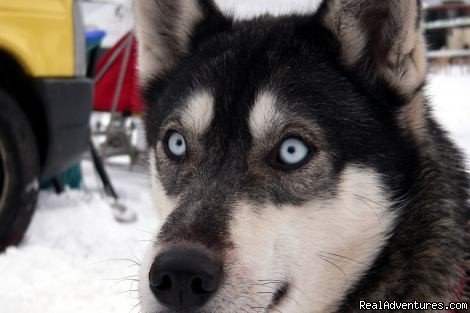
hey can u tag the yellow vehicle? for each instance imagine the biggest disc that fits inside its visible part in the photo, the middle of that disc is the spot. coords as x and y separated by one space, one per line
45 102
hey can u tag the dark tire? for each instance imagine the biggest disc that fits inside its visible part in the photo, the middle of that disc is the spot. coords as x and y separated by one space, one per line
19 171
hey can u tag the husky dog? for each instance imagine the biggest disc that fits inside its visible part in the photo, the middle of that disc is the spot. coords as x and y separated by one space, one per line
295 163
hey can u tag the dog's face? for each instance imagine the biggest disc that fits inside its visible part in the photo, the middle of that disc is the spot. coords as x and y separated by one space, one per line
278 150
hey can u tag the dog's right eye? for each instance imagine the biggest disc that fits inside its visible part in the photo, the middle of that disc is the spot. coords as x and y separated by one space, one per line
175 146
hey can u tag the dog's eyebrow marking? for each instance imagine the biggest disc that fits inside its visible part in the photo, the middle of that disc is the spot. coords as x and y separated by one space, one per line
264 114
198 113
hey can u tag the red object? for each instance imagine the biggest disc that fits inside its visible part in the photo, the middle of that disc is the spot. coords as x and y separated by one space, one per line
106 85
460 288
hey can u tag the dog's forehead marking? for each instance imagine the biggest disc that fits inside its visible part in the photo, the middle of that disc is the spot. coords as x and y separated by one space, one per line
198 112
264 114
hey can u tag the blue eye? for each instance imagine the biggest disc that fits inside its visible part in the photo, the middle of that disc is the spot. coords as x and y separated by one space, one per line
176 145
293 152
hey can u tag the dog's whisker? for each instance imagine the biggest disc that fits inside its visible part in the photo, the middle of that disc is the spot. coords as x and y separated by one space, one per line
255 308
136 259
149 241
117 282
370 207
146 231
120 260
268 308
325 258
371 201
295 301
126 291
252 299
132 284
135 306
287 297
122 278
267 284
343 257
235 305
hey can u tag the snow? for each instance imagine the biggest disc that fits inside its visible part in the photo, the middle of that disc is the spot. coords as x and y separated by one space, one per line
450 96
75 257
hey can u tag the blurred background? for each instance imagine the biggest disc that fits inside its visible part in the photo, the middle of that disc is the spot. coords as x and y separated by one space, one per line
72 148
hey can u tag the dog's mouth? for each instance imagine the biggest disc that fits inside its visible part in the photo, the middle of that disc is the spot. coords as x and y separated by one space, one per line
279 296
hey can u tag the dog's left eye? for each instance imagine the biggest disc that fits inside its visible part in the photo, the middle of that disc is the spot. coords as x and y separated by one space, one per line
293 153
175 145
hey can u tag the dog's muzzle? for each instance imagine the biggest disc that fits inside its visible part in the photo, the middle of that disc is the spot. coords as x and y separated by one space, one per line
184 278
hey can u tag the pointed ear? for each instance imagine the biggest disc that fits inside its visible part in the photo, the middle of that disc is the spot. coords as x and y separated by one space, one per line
165 29
380 38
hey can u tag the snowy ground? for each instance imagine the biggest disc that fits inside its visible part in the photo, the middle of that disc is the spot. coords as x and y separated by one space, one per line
77 259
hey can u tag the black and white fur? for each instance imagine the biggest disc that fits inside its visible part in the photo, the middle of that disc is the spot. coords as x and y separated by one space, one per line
379 211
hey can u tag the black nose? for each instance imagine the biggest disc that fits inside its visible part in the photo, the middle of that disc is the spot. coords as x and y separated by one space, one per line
184 279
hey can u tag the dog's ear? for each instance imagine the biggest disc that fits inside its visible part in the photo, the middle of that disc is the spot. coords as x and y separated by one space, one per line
165 30
379 37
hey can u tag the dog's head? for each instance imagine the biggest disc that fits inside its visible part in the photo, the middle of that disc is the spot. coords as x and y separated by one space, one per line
279 150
